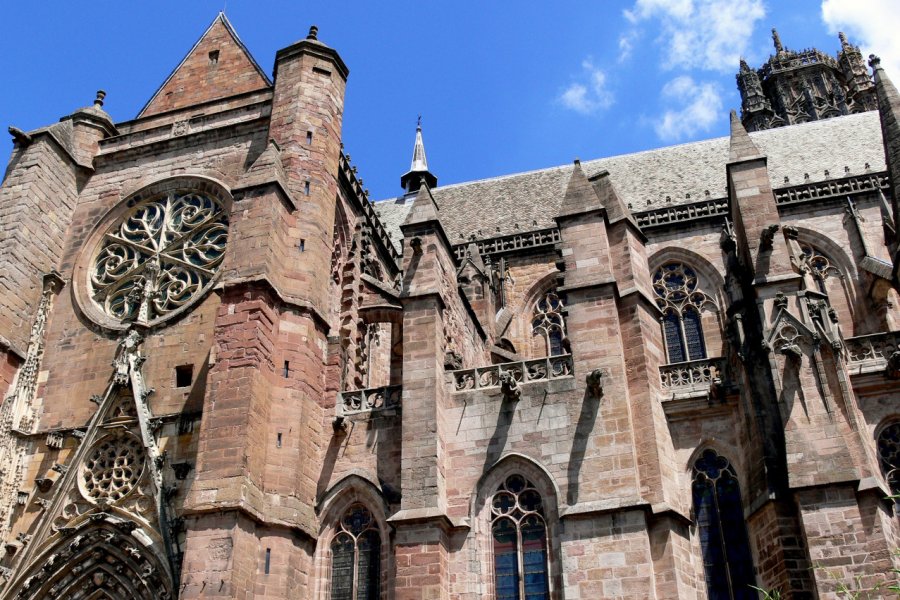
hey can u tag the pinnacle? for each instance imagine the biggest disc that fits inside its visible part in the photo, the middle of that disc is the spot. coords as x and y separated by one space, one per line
581 197
424 208
741 146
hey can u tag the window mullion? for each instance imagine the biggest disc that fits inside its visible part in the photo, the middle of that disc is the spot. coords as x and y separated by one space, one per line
520 558
355 587
684 343
715 495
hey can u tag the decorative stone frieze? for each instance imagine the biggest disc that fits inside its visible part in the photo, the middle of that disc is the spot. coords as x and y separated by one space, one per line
526 371
369 400
691 374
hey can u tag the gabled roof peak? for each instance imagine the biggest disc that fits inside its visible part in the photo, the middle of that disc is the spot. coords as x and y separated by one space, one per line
218 65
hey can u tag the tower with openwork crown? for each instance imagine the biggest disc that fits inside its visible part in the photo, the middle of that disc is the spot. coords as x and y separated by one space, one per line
802 86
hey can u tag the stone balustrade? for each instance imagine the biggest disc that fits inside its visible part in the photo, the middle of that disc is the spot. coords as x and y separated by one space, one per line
692 374
370 400
873 349
524 371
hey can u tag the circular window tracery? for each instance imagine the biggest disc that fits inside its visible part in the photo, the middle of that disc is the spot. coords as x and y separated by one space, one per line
113 468
158 256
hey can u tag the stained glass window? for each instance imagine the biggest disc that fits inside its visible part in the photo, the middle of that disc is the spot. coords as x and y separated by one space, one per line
519 535
719 514
889 457
356 557
678 296
548 323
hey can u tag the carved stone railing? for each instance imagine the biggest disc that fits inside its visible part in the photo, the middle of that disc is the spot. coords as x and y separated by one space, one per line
794 60
795 194
511 243
875 349
716 207
831 188
369 400
524 371
679 213
692 373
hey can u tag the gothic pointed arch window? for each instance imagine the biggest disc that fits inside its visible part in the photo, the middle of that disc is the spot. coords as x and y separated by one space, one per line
719 517
820 266
548 323
681 300
519 541
889 456
356 556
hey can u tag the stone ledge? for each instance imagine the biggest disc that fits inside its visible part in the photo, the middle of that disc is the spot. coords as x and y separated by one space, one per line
594 507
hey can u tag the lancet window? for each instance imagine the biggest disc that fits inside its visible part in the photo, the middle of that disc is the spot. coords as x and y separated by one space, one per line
548 323
719 516
889 456
680 299
356 557
519 534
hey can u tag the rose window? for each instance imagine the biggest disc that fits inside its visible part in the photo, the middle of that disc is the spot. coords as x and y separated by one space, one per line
159 257
113 468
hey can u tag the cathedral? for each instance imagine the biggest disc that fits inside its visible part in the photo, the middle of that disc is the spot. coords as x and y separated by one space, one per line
229 373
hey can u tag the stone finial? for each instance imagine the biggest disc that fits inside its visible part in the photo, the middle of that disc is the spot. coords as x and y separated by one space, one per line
313 33
874 61
98 101
744 66
843 38
776 39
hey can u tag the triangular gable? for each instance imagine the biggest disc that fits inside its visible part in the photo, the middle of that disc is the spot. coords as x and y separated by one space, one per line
204 75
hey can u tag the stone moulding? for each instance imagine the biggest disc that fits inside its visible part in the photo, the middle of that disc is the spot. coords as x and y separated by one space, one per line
870 353
524 371
701 373
370 400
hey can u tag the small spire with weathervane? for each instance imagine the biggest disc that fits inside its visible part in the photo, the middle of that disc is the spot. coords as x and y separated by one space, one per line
418 170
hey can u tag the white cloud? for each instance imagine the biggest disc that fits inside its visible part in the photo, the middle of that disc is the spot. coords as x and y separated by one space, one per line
591 94
699 107
704 34
626 43
872 24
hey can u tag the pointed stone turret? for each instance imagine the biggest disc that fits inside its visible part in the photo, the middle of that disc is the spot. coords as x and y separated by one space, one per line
424 208
218 66
418 170
581 197
741 147
611 201
889 109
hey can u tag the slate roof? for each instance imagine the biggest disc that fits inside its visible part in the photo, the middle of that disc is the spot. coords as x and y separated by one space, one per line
684 173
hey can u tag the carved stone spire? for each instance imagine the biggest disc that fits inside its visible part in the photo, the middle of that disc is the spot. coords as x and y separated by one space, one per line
756 110
418 170
776 39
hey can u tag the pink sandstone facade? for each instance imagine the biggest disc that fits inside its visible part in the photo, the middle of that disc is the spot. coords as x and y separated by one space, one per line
227 373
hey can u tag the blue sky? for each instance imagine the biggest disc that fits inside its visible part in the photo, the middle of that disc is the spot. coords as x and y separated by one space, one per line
502 87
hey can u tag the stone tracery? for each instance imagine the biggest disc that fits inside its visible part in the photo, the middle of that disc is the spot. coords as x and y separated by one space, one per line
160 257
681 300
